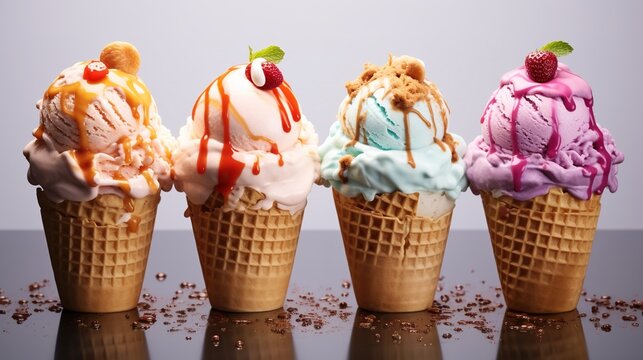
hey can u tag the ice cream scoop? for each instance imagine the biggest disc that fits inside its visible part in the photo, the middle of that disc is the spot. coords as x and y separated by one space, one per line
243 135
391 135
103 108
539 135
100 133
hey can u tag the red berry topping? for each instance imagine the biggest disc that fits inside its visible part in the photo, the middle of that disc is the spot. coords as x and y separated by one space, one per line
95 71
541 65
273 75
248 76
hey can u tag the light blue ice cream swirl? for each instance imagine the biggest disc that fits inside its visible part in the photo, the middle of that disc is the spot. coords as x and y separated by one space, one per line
379 162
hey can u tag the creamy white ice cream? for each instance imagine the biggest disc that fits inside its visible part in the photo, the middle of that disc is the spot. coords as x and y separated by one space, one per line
241 136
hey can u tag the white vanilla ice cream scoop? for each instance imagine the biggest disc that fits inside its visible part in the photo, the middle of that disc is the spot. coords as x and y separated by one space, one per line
246 130
255 121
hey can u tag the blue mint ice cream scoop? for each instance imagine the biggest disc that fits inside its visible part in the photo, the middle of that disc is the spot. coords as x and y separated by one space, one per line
391 135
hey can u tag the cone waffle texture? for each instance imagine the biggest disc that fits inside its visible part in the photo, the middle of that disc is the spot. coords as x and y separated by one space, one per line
394 257
98 263
115 339
246 255
542 247
563 339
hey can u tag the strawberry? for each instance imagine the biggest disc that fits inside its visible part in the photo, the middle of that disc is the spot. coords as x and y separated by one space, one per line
541 65
272 74
95 71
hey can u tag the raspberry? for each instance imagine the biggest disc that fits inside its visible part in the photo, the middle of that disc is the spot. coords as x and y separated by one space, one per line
273 75
541 65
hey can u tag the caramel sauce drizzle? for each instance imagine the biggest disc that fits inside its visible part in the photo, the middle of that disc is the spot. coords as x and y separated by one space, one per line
344 164
85 93
40 130
387 92
147 147
123 184
168 155
342 115
440 143
152 131
127 149
433 95
359 123
85 160
407 140
424 120
448 139
150 180
133 224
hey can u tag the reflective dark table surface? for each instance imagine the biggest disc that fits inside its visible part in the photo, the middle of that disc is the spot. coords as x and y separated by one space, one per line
320 320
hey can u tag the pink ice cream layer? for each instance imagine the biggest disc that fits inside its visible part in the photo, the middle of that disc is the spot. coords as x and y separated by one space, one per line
541 135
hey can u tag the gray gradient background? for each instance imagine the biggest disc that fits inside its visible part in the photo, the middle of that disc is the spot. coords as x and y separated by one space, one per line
466 45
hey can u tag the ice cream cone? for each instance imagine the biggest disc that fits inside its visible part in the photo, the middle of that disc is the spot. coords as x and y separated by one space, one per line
246 255
100 336
554 337
394 256
98 260
246 336
542 247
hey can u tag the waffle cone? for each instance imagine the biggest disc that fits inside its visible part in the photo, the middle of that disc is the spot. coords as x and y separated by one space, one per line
115 339
98 263
394 257
542 247
246 255
560 337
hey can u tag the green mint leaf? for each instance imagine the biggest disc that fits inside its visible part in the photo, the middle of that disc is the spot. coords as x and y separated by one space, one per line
249 53
559 48
272 53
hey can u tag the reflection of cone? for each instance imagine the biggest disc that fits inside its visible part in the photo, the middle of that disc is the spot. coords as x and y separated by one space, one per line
255 333
421 344
556 337
542 247
246 255
394 257
115 339
98 263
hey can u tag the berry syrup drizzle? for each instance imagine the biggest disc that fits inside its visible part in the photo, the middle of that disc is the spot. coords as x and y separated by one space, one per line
229 168
564 86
